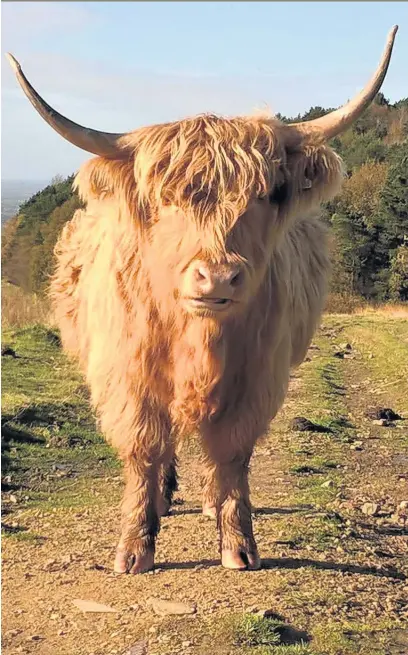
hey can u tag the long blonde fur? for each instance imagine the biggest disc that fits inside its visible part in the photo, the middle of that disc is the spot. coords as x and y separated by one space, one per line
194 187
134 355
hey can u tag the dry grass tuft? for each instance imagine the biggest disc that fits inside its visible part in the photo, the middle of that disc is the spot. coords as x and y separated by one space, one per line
343 303
20 309
389 310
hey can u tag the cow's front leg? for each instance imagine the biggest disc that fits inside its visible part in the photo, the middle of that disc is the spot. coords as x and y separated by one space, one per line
229 490
169 485
140 520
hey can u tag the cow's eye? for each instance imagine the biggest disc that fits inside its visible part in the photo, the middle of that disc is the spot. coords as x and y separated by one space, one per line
279 194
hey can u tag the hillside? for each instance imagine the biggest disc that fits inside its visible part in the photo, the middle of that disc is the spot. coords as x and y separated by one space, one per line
369 219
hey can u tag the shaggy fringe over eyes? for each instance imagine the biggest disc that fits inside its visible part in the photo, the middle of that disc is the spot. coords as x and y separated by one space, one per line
210 167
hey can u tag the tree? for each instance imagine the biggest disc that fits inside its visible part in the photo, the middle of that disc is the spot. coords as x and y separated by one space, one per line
398 282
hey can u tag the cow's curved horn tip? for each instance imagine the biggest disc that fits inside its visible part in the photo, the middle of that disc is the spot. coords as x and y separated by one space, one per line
393 32
13 62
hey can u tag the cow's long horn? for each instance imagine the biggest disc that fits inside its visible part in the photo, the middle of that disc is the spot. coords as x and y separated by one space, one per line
339 120
104 144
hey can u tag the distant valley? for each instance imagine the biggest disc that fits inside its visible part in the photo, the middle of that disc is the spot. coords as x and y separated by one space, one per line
15 192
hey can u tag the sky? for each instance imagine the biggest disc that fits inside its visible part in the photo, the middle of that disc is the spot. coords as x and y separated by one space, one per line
117 66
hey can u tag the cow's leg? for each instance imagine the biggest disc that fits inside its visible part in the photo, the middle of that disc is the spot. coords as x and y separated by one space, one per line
168 487
230 490
210 489
140 519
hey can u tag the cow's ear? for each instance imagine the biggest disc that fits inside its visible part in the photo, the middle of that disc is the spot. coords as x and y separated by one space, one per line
99 179
317 173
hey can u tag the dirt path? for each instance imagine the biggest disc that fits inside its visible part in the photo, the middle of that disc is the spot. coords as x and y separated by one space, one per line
329 516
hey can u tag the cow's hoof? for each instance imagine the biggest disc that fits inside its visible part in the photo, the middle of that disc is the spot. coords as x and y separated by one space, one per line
127 562
142 563
240 560
210 511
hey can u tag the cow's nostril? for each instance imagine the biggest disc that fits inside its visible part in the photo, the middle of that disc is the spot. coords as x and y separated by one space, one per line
201 274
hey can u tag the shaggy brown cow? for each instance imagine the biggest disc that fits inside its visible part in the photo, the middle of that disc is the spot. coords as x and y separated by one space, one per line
189 286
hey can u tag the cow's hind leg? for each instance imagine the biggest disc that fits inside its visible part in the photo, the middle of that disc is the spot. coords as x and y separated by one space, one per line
230 490
210 489
140 520
168 486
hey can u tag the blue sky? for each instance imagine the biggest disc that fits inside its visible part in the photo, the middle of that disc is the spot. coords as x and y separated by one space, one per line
120 65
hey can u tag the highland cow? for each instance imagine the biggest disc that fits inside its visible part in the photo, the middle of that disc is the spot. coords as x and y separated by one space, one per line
189 286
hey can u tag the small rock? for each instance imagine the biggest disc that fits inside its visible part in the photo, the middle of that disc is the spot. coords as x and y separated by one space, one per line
186 644
328 484
356 445
381 421
13 498
269 614
34 638
402 511
302 424
253 609
346 346
384 413
140 648
8 352
91 606
369 509
168 607
60 633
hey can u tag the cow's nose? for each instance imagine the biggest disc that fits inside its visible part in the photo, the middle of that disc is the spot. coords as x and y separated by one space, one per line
218 281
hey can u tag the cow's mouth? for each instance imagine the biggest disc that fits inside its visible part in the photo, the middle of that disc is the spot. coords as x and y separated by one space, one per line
213 304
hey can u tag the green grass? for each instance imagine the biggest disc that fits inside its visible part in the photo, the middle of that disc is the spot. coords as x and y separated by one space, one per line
51 448
323 402
257 635
383 346
257 631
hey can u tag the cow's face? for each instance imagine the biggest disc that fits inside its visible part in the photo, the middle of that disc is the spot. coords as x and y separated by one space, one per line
205 271
211 233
